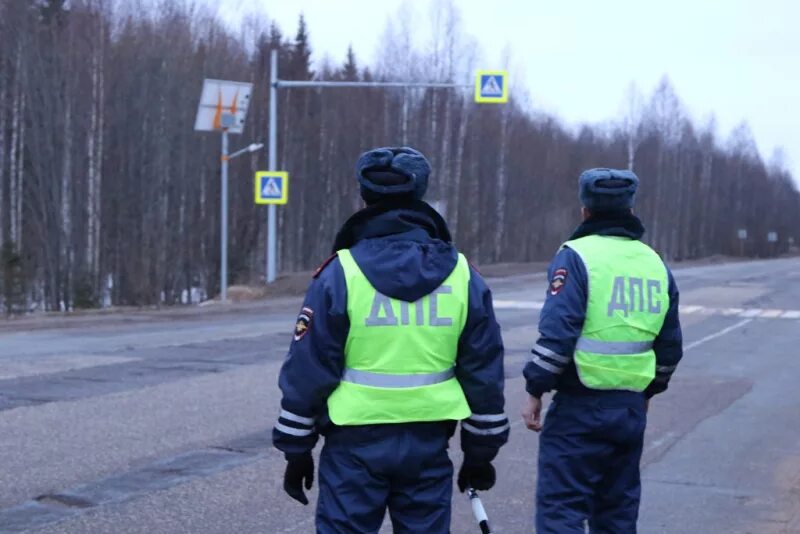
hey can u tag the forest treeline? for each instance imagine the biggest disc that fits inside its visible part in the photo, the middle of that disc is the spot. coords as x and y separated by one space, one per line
108 195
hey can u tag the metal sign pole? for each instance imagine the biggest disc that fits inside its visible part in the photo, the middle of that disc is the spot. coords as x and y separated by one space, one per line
272 231
223 108
223 284
275 84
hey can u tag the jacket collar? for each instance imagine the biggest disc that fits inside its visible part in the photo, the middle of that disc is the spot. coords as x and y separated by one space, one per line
412 220
615 223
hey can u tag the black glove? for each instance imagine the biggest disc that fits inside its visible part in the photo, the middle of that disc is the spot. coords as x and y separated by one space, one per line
479 476
299 467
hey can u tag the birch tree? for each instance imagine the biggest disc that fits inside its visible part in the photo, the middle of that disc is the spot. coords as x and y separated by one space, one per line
103 180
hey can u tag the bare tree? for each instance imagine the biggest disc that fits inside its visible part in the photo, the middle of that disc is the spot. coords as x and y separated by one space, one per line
632 122
108 195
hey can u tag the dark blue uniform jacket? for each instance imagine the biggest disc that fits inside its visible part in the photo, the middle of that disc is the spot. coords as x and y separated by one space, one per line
406 253
561 319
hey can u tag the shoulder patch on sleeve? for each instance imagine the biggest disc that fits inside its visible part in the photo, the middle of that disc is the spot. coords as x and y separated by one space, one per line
303 324
324 264
558 281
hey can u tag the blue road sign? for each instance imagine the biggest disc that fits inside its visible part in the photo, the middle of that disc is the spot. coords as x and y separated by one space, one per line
272 187
491 87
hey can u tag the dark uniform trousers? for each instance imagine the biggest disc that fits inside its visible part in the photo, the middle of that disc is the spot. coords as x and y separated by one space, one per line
589 454
402 467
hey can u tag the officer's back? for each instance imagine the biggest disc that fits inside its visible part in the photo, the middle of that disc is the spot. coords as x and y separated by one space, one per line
396 342
610 340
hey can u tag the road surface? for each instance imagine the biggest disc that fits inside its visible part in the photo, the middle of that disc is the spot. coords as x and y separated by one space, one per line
159 422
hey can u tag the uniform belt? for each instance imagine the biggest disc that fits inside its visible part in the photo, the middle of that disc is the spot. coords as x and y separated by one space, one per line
613 347
383 380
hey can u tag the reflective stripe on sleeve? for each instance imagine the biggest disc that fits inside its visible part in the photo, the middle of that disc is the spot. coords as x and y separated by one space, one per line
613 347
665 368
547 366
484 431
308 421
544 351
382 380
299 432
488 418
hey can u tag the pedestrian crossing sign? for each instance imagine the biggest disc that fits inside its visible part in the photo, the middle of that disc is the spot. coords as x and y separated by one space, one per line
491 87
272 187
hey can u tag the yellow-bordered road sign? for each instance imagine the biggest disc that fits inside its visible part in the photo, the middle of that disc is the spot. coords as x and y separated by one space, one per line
272 187
491 87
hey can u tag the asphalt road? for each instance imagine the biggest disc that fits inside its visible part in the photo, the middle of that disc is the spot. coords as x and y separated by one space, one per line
158 423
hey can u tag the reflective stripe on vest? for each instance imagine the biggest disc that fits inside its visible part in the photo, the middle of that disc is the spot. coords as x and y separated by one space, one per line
626 305
613 347
400 356
382 380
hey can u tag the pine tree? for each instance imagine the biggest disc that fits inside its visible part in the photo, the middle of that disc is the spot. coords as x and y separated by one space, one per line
53 11
301 53
275 36
350 69
13 282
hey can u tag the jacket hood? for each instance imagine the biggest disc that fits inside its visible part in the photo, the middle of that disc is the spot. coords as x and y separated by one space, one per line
404 249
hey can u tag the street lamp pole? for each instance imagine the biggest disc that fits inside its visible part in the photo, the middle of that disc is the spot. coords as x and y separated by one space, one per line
223 284
223 108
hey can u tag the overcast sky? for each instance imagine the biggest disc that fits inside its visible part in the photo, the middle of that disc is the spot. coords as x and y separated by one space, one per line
738 59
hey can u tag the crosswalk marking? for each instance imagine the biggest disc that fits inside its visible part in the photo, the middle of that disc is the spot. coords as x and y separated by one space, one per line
753 312
686 309
519 304
732 311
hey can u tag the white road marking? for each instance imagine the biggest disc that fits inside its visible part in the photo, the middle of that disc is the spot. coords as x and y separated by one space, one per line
518 304
669 435
747 313
716 334
656 443
752 312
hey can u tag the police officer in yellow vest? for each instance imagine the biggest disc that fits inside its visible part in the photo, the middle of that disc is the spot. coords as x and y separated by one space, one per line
395 343
610 339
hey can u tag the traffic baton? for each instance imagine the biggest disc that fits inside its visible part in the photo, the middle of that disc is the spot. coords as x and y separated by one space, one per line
478 511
